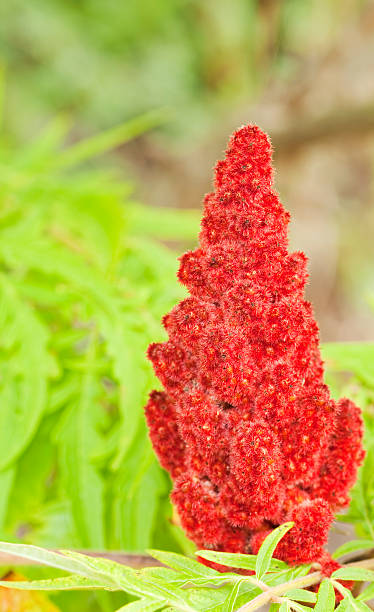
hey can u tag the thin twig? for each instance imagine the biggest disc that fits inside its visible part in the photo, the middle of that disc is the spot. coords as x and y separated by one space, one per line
369 554
349 122
367 563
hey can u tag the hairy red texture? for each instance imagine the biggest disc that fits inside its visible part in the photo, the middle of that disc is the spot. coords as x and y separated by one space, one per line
312 520
246 425
200 512
164 433
336 476
257 474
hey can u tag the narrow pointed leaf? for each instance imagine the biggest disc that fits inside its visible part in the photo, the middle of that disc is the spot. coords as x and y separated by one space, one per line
6 483
142 605
268 547
352 546
86 149
229 605
66 583
183 564
44 557
343 606
239 560
301 595
353 573
325 597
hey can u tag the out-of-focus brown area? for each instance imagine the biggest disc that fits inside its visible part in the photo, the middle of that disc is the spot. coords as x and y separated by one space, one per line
321 123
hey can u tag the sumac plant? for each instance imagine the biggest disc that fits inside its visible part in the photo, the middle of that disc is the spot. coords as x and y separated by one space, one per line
261 455
246 426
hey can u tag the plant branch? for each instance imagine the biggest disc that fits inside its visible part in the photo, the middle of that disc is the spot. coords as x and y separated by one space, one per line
350 122
366 563
274 593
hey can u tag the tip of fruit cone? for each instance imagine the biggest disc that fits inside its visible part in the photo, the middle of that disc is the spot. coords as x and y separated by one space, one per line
248 158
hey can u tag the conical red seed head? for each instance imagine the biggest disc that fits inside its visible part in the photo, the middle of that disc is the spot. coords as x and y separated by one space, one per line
245 424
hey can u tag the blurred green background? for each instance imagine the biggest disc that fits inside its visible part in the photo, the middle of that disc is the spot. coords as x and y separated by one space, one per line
112 116
302 69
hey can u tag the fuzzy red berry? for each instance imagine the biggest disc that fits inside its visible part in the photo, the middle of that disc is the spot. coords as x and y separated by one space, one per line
246 426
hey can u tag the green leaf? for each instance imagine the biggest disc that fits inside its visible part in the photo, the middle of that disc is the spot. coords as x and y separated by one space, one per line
362 606
173 578
66 583
163 574
139 487
284 607
353 573
46 557
110 139
343 606
190 567
77 443
23 388
239 560
230 602
284 576
6 483
142 605
36 157
208 599
33 481
128 579
225 578
352 546
301 595
325 597
268 547
352 604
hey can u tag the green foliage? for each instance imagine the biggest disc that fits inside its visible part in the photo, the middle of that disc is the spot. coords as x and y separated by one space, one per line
84 282
353 546
185 585
268 547
241 561
354 573
325 597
